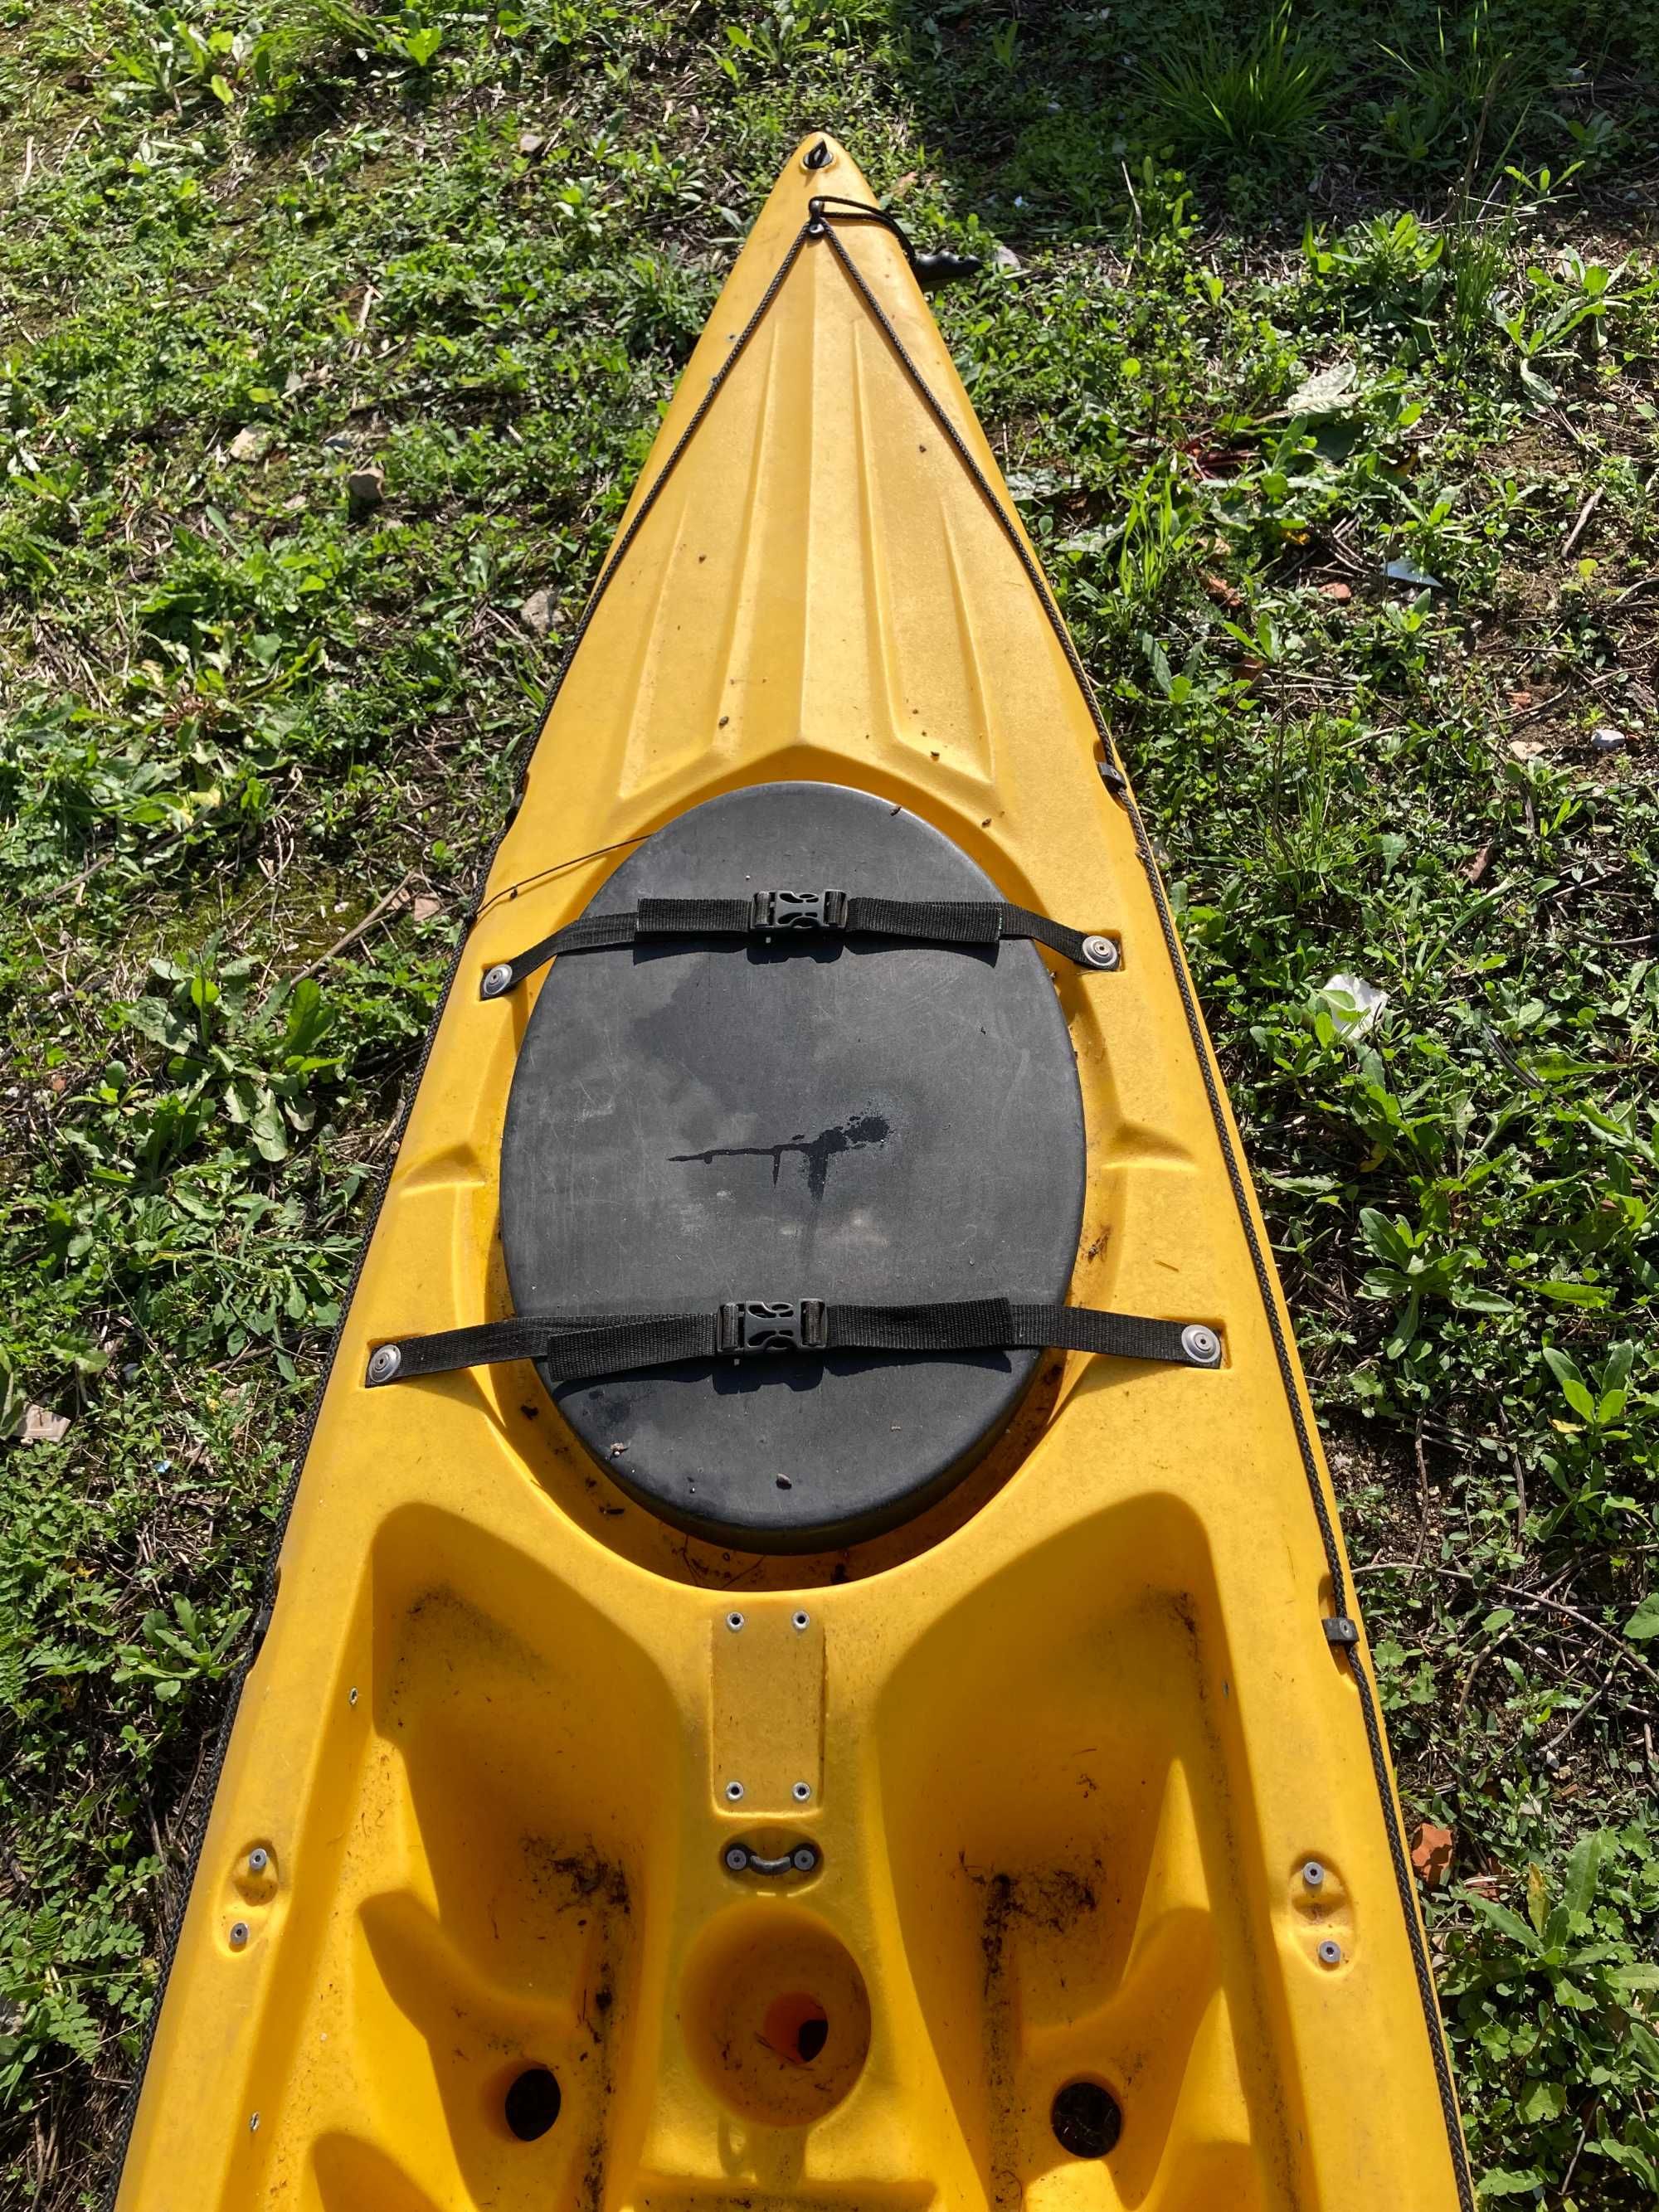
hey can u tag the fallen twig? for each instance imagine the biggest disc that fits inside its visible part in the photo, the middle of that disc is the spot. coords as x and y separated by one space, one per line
1584 514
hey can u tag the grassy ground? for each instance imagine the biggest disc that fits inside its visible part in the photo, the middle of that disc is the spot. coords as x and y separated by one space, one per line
1277 327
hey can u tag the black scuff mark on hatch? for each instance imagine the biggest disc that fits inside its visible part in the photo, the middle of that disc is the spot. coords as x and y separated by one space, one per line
858 1131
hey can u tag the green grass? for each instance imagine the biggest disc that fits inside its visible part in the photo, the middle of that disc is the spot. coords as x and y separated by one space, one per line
243 253
1225 100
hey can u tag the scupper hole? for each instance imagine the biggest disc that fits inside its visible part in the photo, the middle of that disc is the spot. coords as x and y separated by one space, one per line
532 2104
796 2028
1085 2119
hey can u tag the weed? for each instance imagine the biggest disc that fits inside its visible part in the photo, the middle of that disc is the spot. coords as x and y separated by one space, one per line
1461 98
1223 102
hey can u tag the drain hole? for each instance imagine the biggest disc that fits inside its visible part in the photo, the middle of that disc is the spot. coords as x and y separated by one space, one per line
796 2028
1085 2119
531 2104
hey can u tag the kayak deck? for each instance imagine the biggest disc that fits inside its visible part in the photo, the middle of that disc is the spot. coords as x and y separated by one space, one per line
1088 1793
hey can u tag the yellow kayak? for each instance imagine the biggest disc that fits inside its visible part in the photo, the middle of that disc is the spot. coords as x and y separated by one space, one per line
811 1662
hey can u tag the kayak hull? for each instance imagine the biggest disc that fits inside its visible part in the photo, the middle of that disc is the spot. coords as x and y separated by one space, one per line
1069 1741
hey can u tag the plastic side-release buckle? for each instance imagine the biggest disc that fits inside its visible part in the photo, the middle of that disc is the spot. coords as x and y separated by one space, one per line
1339 1632
813 911
746 1326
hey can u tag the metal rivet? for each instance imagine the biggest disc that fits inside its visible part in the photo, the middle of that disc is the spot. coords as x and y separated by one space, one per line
805 1859
1201 1344
383 1363
817 157
816 227
238 1934
737 1859
1330 1953
801 1620
734 1622
497 980
734 1790
258 1859
802 1791
253 2125
1101 952
352 1700
1313 1873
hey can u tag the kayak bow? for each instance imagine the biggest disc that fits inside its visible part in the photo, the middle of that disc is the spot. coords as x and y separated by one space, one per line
813 1662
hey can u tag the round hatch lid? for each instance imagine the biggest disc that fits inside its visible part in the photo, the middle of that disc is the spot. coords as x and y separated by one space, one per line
703 1120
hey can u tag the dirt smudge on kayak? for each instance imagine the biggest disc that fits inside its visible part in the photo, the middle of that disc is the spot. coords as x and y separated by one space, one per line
581 1881
1047 1903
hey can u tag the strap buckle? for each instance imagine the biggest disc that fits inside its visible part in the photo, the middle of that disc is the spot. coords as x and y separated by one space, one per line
813 911
747 1326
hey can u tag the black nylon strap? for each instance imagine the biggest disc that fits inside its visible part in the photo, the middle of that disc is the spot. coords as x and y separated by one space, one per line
586 1348
779 918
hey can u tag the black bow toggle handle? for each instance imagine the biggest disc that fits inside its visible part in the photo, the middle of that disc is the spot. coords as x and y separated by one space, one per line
931 270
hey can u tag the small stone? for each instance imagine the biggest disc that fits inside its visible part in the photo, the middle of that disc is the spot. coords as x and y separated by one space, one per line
1340 594
537 613
365 491
251 444
531 142
1007 260
1526 748
1607 739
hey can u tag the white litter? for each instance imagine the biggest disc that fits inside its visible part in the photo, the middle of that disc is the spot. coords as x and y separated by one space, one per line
1356 1006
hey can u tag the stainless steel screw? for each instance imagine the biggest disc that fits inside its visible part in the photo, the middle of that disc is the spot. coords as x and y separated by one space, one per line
383 1363
803 1791
805 1859
1330 1953
734 1790
1201 1344
257 1859
1313 1873
1101 952
497 980
737 1859
238 1934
